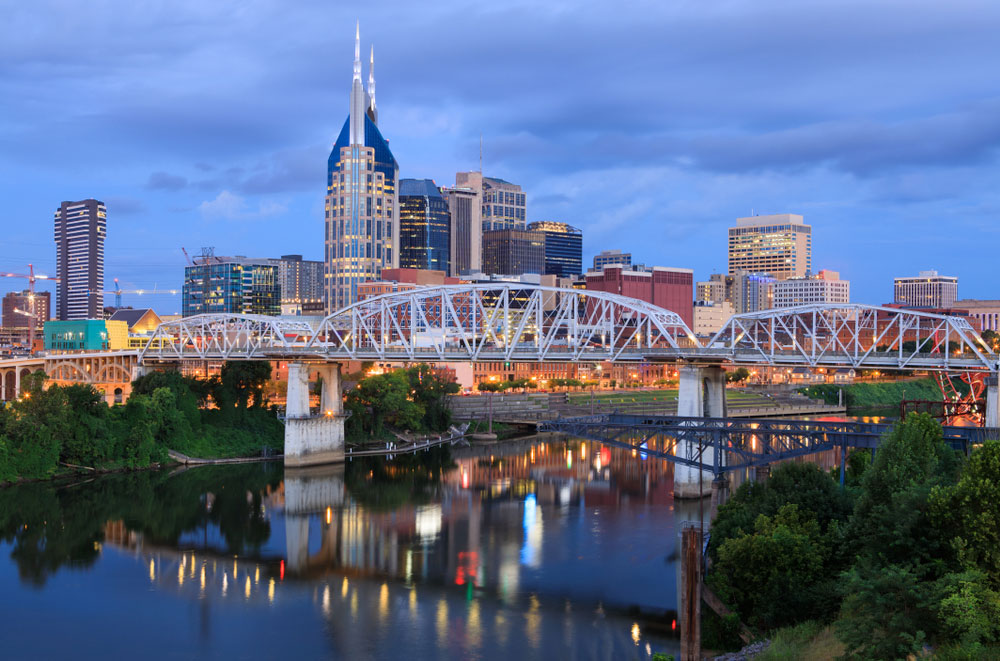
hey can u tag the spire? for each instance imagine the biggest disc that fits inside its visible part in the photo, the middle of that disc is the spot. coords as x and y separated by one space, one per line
357 51
371 77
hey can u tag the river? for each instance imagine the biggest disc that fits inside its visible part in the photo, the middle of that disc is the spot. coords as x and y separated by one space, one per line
521 550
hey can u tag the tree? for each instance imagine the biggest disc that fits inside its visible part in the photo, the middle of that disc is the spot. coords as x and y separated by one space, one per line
379 400
738 375
770 574
992 339
430 388
968 513
245 381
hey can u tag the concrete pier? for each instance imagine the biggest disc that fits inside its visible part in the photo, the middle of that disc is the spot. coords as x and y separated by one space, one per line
992 402
313 439
701 394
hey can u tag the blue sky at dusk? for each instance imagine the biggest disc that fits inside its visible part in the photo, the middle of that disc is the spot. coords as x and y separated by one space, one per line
650 125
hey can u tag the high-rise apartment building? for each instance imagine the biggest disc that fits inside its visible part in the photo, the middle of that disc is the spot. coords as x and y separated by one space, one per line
504 203
233 285
779 244
301 282
927 290
513 252
563 248
824 287
424 226
465 209
362 197
612 257
80 228
669 288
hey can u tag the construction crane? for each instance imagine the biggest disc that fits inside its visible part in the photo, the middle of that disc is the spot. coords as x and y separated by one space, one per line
118 291
31 277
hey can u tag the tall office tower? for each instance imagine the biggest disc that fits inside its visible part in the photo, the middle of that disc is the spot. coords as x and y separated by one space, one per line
301 282
927 290
824 287
504 203
779 244
362 196
612 257
424 226
466 212
79 235
563 248
233 285
513 252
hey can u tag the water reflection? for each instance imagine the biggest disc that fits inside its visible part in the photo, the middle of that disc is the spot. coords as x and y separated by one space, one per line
525 548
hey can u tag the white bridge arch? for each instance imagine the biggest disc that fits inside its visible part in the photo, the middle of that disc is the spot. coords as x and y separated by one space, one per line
530 323
481 322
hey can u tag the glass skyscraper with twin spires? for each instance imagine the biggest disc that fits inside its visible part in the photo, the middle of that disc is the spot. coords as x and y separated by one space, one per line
362 198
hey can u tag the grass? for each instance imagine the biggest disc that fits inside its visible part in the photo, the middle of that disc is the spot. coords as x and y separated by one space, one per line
809 640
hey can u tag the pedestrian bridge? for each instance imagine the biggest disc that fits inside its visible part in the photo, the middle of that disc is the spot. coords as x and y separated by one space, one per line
525 323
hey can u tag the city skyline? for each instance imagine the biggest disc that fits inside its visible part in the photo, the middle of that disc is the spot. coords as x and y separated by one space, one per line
187 150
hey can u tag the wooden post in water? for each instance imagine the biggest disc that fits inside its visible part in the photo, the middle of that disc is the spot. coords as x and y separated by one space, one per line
690 589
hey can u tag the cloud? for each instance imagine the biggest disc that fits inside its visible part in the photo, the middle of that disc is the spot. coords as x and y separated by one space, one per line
165 181
229 206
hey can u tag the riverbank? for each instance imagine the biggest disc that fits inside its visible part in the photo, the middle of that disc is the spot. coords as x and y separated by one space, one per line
881 395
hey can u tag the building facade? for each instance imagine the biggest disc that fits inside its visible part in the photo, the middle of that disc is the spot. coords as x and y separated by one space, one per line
710 317
301 282
465 209
779 244
668 288
824 287
504 203
927 290
563 248
80 229
362 198
513 252
424 226
985 312
717 289
26 311
752 292
86 335
233 285
612 257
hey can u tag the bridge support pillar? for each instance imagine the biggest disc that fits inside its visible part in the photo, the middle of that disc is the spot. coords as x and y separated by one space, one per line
720 494
992 403
701 393
313 439
139 371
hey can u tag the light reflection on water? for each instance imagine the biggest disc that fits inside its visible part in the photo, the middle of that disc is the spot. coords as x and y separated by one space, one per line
532 549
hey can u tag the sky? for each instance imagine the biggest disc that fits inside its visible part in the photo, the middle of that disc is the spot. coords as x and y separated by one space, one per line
651 126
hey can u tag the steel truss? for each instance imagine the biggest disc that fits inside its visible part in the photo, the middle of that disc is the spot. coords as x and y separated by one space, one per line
738 443
853 335
530 323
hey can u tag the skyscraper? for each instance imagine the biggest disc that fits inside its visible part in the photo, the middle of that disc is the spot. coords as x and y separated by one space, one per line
301 283
424 226
80 228
362 232
466 212
504 203
563 248
780 244
513 252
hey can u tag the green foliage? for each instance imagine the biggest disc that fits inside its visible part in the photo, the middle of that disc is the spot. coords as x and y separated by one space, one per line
430 388
738 375
968 513
886 613
773 574
969 609
379 400
874 395
858 462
